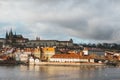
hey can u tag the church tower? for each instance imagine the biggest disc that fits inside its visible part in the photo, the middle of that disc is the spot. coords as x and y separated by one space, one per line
7 36
10 34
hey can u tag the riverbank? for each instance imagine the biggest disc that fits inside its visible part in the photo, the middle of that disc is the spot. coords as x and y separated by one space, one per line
68 64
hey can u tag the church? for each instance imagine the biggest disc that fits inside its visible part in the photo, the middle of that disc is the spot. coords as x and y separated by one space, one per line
15 39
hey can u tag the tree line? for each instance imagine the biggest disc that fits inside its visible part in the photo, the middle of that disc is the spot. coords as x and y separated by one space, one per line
112 46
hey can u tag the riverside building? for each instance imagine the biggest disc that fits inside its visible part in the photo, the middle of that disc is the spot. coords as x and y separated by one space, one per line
71 57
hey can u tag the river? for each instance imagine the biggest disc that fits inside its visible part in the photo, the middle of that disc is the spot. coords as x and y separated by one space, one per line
23 72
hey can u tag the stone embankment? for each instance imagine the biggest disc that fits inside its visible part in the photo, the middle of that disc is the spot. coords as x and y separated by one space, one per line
70 64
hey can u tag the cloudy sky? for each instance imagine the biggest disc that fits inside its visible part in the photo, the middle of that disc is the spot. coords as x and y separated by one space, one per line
81 20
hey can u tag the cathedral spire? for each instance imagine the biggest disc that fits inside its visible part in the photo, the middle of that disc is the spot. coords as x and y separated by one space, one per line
10 33
7 35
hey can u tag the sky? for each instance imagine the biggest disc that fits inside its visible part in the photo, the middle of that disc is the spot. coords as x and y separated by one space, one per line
85 21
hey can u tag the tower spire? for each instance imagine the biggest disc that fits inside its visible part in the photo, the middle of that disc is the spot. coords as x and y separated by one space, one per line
7 35
10 33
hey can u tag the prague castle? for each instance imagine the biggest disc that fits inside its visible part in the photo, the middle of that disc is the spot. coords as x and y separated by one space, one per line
15 40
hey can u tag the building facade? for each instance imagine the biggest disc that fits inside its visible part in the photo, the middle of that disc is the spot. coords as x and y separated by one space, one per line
49 43
47 53
71 57
88 51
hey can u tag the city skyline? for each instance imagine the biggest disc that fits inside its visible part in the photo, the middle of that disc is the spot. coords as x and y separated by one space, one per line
83 21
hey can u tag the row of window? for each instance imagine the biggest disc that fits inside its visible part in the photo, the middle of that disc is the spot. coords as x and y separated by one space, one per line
45 44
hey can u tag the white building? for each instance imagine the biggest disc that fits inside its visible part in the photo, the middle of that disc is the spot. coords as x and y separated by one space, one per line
88 51
24 57
72 57
31 61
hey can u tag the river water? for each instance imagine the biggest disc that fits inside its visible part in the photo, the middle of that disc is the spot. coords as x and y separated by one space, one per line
59 73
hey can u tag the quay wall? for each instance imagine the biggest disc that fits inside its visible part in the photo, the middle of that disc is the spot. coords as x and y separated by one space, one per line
70 64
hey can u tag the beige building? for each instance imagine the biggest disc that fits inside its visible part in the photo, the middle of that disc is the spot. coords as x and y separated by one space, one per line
37 52
49 43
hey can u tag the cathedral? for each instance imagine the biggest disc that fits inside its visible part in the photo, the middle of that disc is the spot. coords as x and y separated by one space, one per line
14 39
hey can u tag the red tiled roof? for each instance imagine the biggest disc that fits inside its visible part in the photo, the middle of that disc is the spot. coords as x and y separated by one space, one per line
71 55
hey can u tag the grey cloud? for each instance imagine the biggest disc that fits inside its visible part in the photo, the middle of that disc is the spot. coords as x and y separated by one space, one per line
102 33
83 19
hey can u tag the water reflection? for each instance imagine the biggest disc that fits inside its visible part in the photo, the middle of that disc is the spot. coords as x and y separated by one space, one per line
23 68
59 73
66 72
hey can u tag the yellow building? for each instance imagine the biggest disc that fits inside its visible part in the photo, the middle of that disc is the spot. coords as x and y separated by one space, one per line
48 52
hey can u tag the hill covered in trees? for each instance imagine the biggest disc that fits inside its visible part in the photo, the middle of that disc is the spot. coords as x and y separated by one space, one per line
106 46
